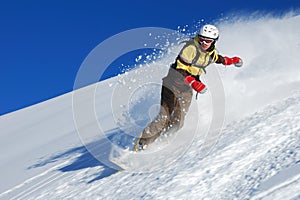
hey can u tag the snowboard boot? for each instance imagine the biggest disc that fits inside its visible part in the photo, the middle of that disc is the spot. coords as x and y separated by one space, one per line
137 144
141 143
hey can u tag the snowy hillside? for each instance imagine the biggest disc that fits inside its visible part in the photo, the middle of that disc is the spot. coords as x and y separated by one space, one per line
48 152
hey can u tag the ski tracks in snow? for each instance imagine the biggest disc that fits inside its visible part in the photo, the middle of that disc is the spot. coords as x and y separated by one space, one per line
243 165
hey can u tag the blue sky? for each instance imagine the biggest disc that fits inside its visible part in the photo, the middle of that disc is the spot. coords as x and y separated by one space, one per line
43 43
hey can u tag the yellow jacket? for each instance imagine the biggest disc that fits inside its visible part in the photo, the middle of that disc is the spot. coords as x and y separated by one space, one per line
194 59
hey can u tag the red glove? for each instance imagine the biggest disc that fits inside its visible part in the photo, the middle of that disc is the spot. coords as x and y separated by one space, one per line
234 60
196 85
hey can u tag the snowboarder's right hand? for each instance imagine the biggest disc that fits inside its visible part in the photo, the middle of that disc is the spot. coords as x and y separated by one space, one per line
196 85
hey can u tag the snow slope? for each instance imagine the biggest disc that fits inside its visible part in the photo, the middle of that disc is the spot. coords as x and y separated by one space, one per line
46 156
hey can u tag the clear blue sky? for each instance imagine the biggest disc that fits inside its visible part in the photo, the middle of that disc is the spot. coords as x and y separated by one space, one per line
43 43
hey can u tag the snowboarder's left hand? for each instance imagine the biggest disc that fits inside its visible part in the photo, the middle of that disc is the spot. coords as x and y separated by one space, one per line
234 60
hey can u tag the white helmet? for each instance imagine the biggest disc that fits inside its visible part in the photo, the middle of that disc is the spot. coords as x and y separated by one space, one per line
209 31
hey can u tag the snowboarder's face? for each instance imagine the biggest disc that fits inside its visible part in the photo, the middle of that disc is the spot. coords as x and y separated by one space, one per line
205 43
205 46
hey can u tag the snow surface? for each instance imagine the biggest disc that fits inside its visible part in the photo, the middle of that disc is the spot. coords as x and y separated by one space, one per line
45 154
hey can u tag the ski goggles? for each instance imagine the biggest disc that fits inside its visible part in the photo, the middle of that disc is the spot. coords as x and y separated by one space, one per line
205 40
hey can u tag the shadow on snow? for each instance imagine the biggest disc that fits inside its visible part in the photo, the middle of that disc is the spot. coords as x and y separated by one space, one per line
85 157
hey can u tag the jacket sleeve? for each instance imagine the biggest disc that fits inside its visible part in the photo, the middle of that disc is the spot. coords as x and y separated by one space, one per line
218 58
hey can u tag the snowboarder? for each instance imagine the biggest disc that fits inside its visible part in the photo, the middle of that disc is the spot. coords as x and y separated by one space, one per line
182 78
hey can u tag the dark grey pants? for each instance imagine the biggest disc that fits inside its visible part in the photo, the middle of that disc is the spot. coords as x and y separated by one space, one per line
176 98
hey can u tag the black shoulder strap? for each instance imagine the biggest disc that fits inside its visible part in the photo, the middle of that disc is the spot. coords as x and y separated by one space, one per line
194 61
